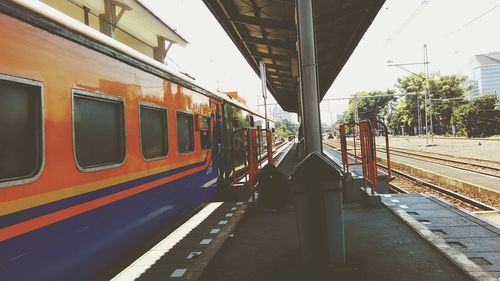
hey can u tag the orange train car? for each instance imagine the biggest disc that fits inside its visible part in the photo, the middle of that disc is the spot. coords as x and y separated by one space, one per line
101 148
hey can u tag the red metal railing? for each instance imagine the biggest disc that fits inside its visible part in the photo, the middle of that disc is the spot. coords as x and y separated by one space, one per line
367 147
249 143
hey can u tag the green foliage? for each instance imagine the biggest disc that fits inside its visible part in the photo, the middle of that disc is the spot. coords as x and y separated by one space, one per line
477 118
375 105
399 117
285 128
445 92
474 119
414 88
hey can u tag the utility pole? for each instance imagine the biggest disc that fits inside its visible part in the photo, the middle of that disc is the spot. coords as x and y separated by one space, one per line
419 116
429 136
427 102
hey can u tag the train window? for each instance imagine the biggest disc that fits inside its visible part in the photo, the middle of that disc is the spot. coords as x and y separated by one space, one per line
185 133
99 131
205 133
154 142
21 127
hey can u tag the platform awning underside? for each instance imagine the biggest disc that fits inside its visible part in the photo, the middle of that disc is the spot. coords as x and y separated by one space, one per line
266 30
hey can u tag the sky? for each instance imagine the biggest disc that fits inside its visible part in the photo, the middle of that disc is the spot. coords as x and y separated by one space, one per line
454 31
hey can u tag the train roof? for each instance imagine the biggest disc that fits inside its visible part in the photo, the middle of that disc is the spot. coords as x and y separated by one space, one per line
67 22
266 30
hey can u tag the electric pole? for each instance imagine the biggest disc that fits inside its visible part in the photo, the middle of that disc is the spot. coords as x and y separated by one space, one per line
429 135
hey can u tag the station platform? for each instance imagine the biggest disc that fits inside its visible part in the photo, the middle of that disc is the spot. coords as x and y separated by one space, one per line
408 237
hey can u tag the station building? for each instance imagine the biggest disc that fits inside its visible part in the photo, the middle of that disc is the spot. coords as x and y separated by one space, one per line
484 77
130 22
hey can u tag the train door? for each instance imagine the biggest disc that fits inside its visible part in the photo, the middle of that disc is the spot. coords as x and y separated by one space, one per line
217 140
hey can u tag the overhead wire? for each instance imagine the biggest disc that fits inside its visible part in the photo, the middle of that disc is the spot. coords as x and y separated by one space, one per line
474 19
407 22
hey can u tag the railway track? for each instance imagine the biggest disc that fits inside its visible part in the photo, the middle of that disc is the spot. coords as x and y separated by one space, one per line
449 193
467 164
419 184
462 165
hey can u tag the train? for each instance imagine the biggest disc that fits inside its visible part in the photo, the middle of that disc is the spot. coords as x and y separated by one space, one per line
102 149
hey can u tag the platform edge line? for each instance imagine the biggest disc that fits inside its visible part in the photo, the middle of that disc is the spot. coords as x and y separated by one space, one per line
474 271
195 271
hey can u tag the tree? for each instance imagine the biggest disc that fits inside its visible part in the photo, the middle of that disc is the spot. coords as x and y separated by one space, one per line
413 87
370 105
398 121
477 118
285 127
445 93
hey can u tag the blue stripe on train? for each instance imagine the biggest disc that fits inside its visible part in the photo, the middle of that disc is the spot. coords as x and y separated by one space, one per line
75 200
85 246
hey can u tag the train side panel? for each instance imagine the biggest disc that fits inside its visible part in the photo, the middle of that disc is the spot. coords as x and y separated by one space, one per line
72 223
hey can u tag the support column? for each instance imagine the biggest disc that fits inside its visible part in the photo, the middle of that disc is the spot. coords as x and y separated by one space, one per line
309 76
316 181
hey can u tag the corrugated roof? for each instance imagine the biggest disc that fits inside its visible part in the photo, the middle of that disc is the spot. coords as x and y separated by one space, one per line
266 30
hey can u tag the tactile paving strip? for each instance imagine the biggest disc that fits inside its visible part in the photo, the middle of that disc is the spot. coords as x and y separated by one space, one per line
478 240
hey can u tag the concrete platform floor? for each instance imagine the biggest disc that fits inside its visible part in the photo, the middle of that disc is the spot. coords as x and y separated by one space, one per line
378 247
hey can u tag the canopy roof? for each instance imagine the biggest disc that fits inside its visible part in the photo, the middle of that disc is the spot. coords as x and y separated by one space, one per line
266 30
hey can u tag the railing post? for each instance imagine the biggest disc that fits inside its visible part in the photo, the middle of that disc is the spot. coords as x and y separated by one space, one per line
362 143
343 148
372 156
251 159
388 154
354 140
269 146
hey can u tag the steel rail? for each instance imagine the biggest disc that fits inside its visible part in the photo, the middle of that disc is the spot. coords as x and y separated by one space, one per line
440 189
404 151
447 160
444 190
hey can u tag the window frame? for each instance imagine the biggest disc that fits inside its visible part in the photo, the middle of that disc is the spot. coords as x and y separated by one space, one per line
177 132
154 107
97 96
209 132
37 174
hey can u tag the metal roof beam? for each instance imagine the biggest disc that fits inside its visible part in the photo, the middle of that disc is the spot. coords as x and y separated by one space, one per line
271 56
264 22
278 67
282 79
270 42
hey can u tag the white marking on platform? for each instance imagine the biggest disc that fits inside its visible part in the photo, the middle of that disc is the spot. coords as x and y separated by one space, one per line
239 203
192 255
178 273
233 209
395 200
228 215
214 231
223 222
403 206
205 241
147 260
